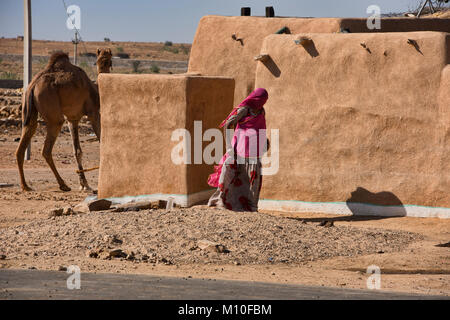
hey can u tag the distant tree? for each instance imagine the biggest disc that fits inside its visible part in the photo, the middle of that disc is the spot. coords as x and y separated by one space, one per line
136 64
107 39
168 43
154 68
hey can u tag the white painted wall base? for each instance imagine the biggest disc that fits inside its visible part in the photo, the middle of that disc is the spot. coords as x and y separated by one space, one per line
356 209
180 199
360 209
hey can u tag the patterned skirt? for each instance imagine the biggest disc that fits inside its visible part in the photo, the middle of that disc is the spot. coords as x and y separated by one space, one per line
239 185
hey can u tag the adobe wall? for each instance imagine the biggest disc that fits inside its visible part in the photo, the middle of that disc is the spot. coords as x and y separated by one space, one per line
214 52
138 116
355 125
444 114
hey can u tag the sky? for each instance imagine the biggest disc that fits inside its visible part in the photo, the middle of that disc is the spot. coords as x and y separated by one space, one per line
165 20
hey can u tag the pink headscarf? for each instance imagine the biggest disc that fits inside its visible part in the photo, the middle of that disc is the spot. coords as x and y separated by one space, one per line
256 101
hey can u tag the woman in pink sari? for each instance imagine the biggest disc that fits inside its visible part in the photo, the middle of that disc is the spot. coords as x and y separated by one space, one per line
238 176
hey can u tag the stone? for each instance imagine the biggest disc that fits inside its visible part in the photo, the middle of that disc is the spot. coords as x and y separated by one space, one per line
62 268
326 224
56 212
207 245
2 257
92 254
67 211
134 206
159 204
118 253
94 205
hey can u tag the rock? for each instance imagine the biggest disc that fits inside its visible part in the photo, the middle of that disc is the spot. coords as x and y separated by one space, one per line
68 211
56 212
166 262
2 257
207 245
6 185
94 205
135 206
116 240
61 268
159 204
326 224
118 253
92 254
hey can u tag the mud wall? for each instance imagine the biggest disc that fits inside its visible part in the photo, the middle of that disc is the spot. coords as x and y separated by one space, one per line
359 125
139 114
444 115
215 52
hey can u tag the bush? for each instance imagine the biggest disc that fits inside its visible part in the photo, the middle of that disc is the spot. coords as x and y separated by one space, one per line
168 43
136 64
171 49
119 49
154 68
123 55
107 39
9 76
184 49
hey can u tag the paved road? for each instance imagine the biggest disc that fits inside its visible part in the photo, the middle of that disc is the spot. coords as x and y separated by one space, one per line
34 284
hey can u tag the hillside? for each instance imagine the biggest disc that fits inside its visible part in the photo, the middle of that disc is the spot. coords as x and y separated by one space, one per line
152 57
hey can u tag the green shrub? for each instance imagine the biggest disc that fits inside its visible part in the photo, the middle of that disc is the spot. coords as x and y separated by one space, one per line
154 68
10 76
168 43
136 64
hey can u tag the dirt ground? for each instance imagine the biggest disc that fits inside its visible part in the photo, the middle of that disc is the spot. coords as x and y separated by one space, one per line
267 246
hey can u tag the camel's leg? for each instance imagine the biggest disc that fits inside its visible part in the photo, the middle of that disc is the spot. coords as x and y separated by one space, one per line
27 133
94 118
73 125
53 130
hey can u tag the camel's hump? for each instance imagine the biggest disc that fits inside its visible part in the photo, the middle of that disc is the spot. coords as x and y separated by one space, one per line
57 57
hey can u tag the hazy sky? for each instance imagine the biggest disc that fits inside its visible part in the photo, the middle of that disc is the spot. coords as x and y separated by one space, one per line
161 20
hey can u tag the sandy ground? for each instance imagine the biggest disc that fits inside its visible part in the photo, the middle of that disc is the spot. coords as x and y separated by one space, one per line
267 246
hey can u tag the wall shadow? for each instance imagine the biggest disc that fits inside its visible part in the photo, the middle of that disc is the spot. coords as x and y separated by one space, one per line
310 47
362 196
358 205
415 45
272 66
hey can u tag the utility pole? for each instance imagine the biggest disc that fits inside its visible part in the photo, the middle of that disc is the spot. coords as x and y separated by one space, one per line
75 42
27 56
423 7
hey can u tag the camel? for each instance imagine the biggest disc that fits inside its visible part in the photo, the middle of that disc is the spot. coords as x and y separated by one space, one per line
104 62
60 91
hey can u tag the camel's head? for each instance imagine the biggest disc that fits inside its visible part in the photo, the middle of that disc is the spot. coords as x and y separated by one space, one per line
104 60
